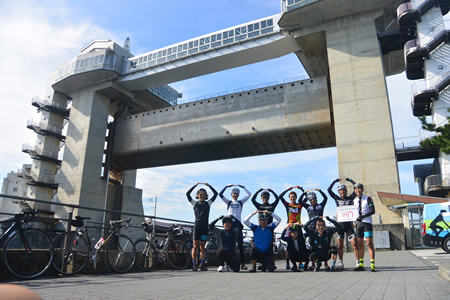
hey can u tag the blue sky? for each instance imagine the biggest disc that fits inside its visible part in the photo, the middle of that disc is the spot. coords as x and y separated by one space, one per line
38 36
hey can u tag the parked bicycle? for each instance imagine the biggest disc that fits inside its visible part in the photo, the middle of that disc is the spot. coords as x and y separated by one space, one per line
27 252
149 252
74 249
279 248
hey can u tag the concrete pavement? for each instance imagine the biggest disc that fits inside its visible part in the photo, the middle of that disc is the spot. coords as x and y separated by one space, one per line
401 275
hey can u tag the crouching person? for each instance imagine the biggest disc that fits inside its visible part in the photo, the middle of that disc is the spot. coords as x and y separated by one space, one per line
263 238
320 242
227 239
296 247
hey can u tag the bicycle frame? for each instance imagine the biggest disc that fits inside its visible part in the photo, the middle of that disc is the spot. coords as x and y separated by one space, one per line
17 226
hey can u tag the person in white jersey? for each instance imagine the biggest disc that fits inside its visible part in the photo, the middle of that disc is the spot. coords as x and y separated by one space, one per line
364 228
234 208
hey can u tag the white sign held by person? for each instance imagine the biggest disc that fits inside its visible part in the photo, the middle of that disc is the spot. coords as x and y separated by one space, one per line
347 213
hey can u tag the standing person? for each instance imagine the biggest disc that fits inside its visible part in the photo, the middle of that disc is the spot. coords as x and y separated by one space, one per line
293 211
345 227
296 246
320 241
315 210
201 212
364 229
263 238
234 208
265 205
227 238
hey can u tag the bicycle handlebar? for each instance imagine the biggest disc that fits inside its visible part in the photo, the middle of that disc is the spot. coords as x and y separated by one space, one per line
118 223
27 216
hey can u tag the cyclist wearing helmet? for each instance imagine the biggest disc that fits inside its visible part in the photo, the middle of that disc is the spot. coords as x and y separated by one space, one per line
366 209
263 239
346 227
320 241
293 211
313 209
227 238
201 212
265 205
234 208
296 247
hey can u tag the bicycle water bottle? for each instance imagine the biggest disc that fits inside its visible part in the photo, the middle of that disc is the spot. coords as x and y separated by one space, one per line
99 243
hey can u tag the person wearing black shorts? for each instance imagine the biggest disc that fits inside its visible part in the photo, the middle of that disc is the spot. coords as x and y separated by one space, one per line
201 232
345 227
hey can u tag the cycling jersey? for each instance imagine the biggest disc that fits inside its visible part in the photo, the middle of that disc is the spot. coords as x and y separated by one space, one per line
201 208
293 210
317 210
365 208
320 243
263 237
266 206
234 208
226 238
341 201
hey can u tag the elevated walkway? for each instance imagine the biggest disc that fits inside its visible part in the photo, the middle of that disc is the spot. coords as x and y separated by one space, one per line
233 47
286 117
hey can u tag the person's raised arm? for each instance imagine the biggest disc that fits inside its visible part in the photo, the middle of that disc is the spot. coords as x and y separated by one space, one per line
337 226
277 199
276 221
331 193
283 235
325 198
225 199
282 196
306 226
188 194
212 225
239 224
303 203
256 204
243 200
247 220
213 198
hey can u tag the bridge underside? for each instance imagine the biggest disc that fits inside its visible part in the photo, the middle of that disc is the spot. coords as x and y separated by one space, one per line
288 117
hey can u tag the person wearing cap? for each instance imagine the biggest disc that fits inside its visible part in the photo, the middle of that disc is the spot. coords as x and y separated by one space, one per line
234 208
345 227
201 233
320 241
265 205
293 211
366 209
296 247
263 239
227 238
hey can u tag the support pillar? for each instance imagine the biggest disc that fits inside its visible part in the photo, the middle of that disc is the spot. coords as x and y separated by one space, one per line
364 136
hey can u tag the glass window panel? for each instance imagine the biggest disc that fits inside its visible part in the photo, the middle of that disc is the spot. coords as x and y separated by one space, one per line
252 34
191 44
269 22
203 48
173 56
180 47
225 34
169 51
196 43
231 33
243 30
82 63
256 26
250 27
96 60
213 38
185 46
237 31
227 41
263 24
164 52
207 40
216 44
202 42
140 60
219 36
159 54
144 59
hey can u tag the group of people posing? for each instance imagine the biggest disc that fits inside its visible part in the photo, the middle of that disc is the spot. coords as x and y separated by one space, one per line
294 234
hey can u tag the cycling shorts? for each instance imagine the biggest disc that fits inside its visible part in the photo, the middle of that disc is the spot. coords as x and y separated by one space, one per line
201 232
346 227
363 230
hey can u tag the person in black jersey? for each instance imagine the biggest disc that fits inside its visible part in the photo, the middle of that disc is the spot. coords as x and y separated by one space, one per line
314 210
346 227
296 247
201 233
265 205
227 239
320 241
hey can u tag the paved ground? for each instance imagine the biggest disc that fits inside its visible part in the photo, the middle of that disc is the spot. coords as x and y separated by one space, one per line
401 275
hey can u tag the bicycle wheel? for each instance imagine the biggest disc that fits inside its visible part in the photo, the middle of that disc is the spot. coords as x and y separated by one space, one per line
120 253
282 251
28 254
71 253
177 254
146 255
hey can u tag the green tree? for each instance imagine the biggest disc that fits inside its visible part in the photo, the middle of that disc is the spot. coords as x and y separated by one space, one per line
441 141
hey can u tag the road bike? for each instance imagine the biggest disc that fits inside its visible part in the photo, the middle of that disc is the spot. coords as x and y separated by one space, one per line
27 252
149 252
74 249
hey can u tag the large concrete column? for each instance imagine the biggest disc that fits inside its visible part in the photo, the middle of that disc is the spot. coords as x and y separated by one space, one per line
363 127
80 179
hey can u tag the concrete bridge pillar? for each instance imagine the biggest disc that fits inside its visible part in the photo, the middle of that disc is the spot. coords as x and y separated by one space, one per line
364 134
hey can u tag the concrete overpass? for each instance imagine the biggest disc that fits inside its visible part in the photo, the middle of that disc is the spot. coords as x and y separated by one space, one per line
344 104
